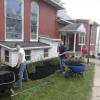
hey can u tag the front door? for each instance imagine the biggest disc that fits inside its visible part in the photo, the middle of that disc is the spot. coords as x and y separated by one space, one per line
71 41
64 39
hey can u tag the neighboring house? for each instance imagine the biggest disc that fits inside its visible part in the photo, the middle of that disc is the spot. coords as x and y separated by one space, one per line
82 29
32 23
70 33
87 35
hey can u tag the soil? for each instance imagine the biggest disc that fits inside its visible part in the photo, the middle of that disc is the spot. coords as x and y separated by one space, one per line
42 72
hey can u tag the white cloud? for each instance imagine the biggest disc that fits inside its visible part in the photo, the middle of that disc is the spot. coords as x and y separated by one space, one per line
86 9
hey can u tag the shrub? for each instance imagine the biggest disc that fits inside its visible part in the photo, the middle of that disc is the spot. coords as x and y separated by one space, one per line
31 68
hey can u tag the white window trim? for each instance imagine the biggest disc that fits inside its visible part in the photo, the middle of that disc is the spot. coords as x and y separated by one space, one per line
5 3
37 25
28 55
79 40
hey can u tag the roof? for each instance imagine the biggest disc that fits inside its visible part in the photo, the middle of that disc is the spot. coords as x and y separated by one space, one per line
55 4
11 45
63 17
76 27
83 21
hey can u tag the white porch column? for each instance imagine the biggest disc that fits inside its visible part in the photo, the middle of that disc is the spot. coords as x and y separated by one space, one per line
74 50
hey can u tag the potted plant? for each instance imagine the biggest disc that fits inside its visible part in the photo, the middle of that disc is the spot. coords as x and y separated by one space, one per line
76 65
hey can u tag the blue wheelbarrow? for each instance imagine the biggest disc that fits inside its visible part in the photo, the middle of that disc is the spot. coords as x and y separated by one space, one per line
76 70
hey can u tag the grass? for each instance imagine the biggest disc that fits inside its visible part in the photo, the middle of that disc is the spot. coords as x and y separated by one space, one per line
56 87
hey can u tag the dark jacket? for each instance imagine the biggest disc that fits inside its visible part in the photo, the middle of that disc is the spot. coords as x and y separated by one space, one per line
62 49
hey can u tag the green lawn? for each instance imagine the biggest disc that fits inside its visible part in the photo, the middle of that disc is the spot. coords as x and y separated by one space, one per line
56 87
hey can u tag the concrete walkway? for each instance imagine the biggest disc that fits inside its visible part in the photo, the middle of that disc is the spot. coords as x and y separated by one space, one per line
96 83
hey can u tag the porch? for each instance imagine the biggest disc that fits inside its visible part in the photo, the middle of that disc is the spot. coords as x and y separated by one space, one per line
70 36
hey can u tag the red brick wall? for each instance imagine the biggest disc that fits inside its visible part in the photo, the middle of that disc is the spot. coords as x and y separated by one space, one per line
48 24
2 21
27 8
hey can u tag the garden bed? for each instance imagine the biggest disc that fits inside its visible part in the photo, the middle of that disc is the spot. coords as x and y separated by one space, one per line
37 70
43 70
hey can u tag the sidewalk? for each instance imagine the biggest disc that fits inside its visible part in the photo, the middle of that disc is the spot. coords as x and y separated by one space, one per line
96 83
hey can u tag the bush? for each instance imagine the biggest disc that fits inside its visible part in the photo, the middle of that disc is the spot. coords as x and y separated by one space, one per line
31 68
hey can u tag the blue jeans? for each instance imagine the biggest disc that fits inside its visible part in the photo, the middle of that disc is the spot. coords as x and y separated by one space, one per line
62 64
22 74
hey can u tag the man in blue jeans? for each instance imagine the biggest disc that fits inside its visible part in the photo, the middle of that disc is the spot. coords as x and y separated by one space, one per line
21 65
62 56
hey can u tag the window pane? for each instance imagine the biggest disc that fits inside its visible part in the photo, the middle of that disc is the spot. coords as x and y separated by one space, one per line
13 19
6 55
28 58
28 55
34 20
82 38
46 52
27 52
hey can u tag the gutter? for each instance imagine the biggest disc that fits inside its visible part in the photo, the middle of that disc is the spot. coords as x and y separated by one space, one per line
67 21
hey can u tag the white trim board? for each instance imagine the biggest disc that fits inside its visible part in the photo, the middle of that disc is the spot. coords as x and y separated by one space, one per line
52 39
13 49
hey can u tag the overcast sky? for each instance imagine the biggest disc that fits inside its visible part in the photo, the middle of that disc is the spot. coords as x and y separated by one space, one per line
86 9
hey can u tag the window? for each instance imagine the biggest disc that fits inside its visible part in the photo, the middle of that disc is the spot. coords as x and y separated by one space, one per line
46 52
14 19
6 55
28 55
92 36
82 38
34 20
